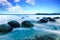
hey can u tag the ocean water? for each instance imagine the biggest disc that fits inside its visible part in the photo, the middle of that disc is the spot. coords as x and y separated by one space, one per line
37 29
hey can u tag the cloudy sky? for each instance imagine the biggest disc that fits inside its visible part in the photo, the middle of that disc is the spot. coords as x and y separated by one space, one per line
29 6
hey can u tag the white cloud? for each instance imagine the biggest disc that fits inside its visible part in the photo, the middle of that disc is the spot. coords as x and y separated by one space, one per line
5 3
30 2
10 8
15 10
16 0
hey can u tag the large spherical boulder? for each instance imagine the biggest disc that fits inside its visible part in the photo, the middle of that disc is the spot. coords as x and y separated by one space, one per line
43 21
4 28
14 24
26 24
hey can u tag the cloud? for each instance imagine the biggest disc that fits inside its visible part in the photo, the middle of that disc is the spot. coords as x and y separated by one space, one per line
16 0
9 8
15 10
5 3
32 2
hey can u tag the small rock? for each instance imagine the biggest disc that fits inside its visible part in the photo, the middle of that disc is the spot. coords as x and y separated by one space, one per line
37 17
22 17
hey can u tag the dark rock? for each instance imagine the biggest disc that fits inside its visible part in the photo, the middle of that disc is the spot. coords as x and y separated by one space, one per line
26 24
52 20
43 21
48 17
14 24
56 18
37 17
4 28
22 17
44 18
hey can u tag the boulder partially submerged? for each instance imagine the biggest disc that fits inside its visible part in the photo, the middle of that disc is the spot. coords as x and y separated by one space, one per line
56 18
43 21
14 24
51 19
26 24
4 28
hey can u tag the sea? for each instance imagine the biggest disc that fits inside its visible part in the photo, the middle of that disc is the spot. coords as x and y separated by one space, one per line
38 29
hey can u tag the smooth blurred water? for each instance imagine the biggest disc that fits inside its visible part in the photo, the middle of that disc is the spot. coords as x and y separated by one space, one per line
38 29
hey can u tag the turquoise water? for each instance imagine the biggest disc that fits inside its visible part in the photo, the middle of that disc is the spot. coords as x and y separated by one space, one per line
38 29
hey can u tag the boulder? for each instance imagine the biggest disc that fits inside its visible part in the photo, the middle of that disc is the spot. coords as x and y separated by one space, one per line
22 17
14 24
37 17
44 18
48 17
52 20
43 21
56 17
27 24
4 28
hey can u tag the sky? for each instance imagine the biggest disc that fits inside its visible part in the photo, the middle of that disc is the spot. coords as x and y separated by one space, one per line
29 6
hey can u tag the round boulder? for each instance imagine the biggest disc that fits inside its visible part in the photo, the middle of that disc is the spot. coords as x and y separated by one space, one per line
4 28
56 17
48 17
14 24
43 21
52 20
26 24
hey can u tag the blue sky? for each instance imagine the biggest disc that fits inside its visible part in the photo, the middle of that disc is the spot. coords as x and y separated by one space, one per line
29 6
